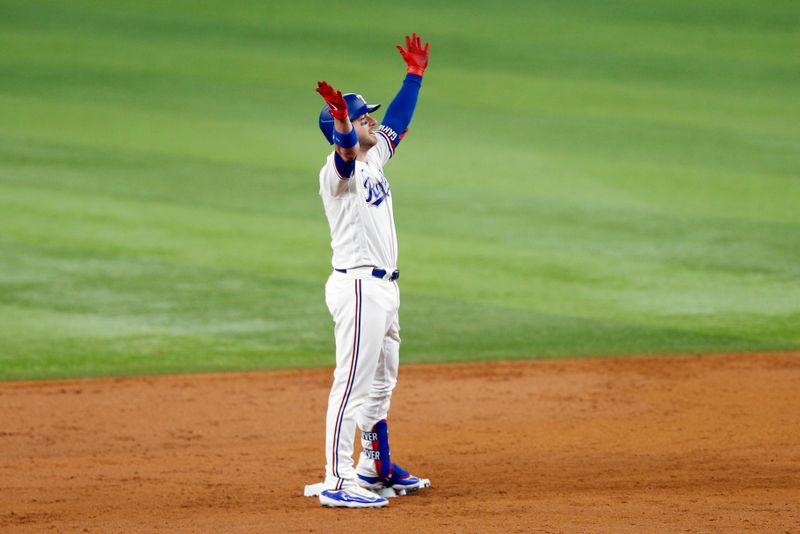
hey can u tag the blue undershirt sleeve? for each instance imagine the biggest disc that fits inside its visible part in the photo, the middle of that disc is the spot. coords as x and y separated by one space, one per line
398 115
343 168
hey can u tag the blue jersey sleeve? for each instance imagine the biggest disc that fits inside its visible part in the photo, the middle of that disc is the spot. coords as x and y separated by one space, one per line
398 115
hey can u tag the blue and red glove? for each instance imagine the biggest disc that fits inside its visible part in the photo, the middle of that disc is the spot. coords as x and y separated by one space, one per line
414 55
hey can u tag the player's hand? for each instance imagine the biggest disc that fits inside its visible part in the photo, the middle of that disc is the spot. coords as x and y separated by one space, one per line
335 100
414 55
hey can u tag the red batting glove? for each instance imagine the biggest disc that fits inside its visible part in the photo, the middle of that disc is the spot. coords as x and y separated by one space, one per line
414 55
335 100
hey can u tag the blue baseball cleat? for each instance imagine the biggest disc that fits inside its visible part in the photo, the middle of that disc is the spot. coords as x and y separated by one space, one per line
400 480
351 497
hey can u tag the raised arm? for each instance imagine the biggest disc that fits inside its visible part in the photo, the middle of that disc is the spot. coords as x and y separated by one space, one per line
398 115
344 135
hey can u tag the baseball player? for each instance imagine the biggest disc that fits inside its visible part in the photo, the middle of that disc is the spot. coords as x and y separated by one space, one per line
362 292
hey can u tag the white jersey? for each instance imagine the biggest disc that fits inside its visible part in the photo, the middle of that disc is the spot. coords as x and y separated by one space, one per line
359 211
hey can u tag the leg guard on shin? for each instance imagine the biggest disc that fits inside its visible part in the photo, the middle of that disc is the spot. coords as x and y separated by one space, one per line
389 476
376 447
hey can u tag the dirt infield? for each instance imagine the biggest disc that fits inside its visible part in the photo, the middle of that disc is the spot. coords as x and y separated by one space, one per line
694 443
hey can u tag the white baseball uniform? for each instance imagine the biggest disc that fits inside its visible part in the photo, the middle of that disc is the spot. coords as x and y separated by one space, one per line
364 308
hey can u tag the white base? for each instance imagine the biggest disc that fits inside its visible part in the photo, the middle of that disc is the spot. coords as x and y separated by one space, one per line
313 490
387 493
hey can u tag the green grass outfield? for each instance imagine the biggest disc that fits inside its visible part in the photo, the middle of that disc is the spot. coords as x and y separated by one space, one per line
581 178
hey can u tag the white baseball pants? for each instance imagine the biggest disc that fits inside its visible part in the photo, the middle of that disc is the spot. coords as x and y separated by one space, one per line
367 331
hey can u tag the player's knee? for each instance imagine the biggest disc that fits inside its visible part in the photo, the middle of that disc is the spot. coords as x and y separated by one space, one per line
382 391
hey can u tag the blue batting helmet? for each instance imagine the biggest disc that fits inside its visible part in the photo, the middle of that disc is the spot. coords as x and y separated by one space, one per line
356 106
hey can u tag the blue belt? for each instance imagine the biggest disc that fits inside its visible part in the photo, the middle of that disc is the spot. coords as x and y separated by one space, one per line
377 273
